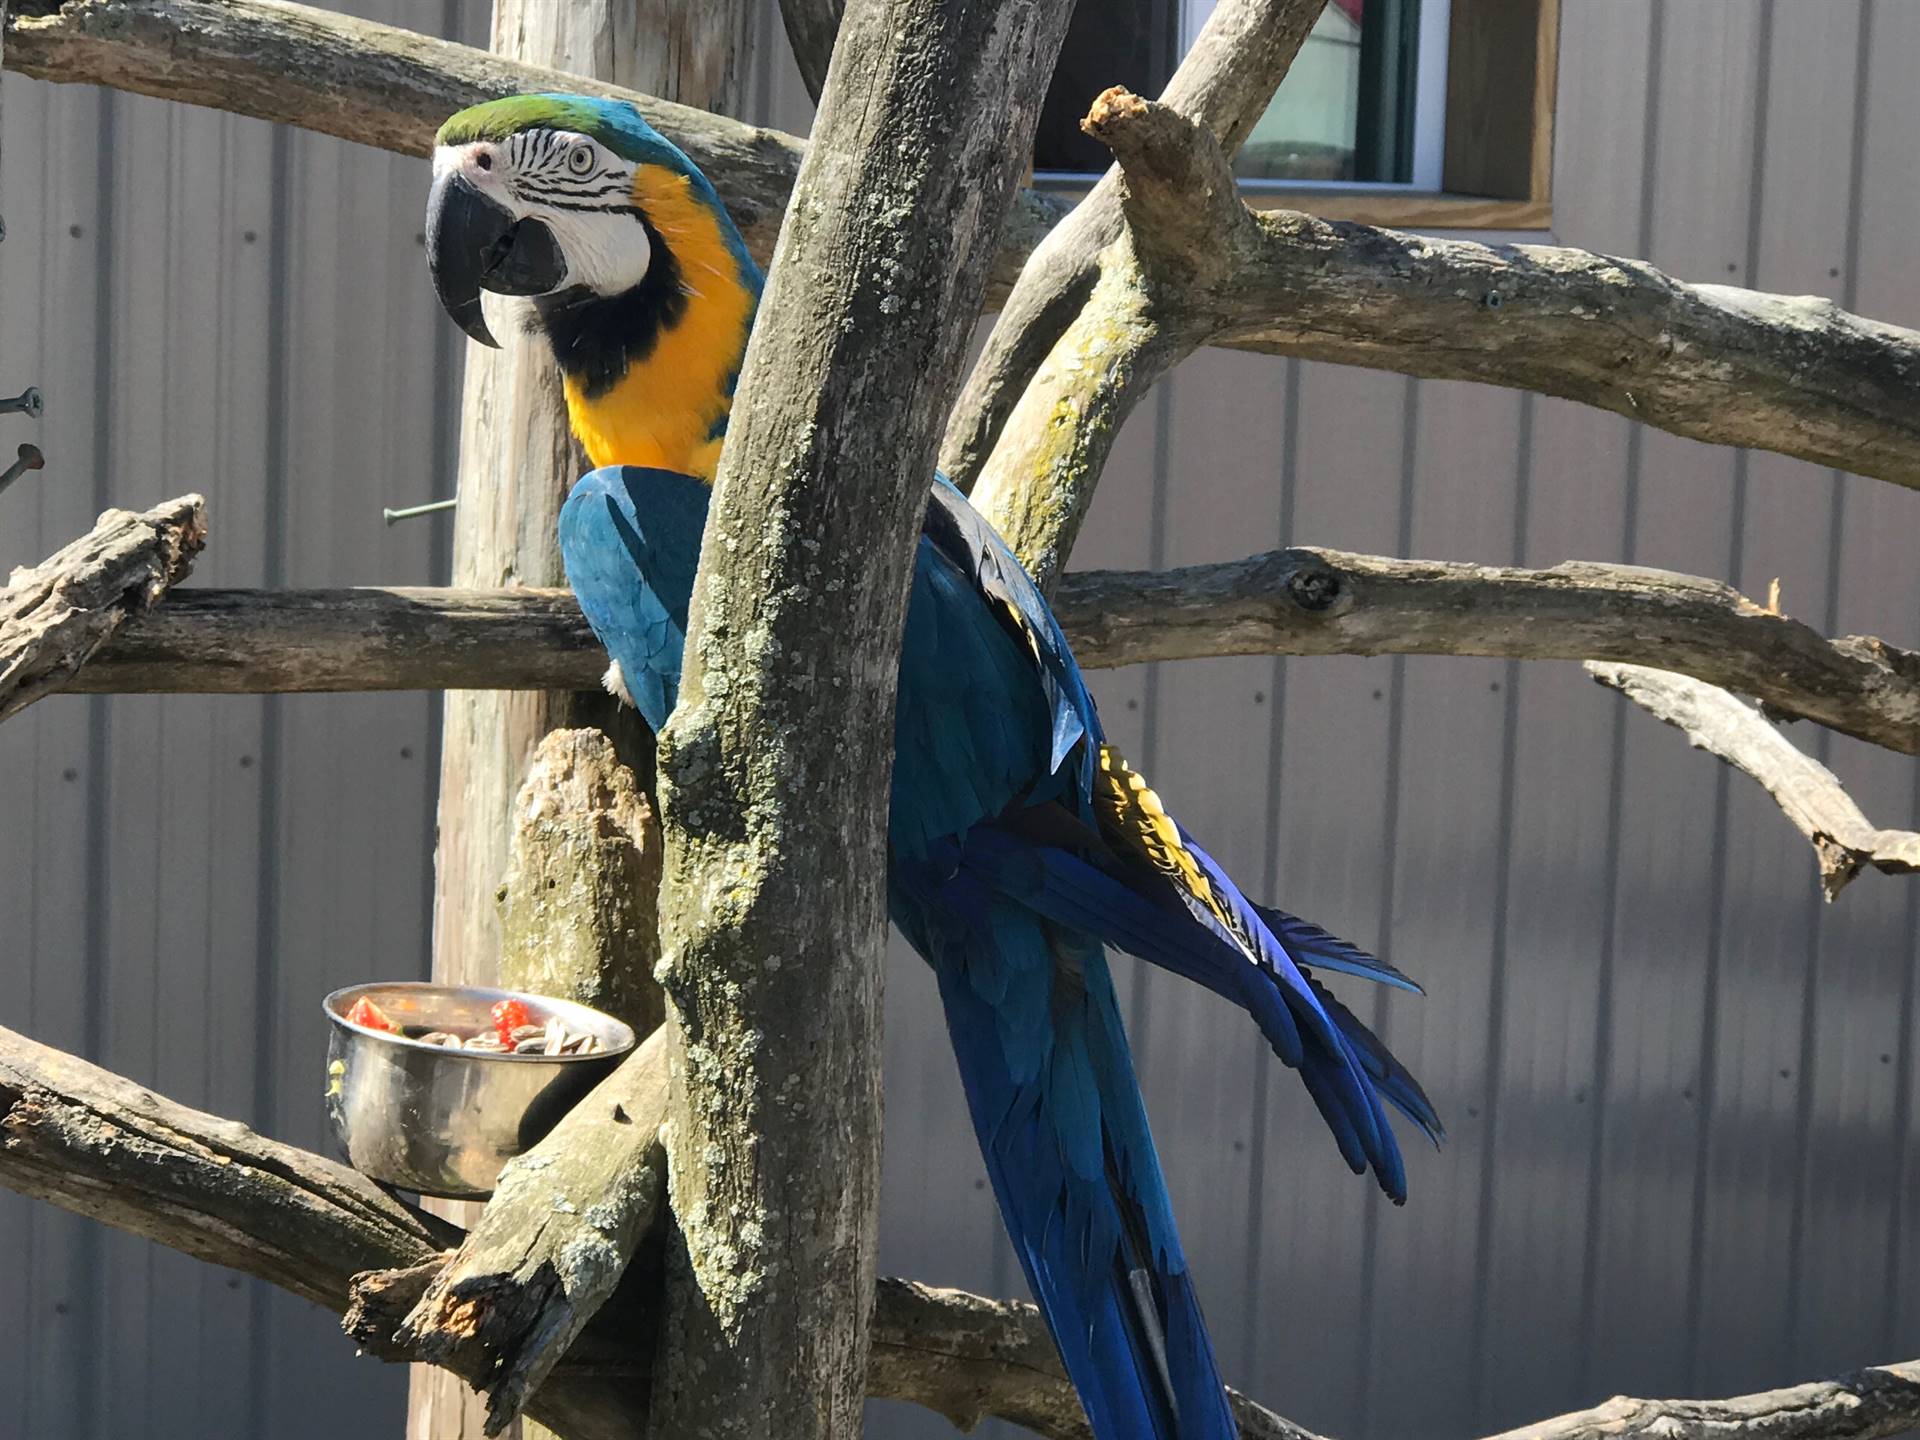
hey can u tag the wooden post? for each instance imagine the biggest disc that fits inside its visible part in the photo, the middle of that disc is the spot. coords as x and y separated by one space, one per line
517 462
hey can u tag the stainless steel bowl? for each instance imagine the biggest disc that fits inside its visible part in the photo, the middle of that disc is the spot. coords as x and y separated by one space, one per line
441 1121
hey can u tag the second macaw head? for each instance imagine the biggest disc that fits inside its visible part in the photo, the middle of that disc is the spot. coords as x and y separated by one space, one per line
550 195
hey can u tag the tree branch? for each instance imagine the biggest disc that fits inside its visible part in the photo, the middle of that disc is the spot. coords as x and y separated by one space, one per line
102 1146
57 615
1794 374
1879 1401
812 26
1225 82
1725 366
1844 840
391 88
1301 601
1307 601
554 1241
1134 326
773 914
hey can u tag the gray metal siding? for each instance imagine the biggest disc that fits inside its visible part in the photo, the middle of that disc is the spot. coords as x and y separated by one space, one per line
1680 1090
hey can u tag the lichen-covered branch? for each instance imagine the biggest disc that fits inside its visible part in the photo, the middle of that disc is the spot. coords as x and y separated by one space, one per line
773 916
1224 84
1844 841
1038 483
56 615
1136 323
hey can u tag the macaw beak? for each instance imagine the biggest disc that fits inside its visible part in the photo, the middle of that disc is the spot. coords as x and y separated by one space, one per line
474 244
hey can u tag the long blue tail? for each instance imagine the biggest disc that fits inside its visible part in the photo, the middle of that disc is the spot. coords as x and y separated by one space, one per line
1044 1062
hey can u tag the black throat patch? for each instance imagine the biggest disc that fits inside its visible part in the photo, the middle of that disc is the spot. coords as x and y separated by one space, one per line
597 337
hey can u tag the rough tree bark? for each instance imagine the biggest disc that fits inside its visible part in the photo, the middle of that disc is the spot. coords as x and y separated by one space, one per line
517 462
100 1145
56 615
773 915
579 906
1224 82
1844 841
1299 601
578 921
1794 375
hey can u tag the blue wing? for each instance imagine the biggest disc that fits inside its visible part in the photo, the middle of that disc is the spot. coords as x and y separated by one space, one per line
630 540
1019 843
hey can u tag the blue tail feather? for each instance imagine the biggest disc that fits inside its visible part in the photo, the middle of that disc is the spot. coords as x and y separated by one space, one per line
1310 945
1288 1007
1069 1154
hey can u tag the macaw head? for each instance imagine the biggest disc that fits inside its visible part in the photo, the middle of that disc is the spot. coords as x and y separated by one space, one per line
547 196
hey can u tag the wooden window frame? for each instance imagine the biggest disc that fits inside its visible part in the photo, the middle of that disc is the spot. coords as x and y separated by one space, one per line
1497 169
1497 174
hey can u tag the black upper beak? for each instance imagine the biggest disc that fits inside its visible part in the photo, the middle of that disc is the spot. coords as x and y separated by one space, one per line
475 244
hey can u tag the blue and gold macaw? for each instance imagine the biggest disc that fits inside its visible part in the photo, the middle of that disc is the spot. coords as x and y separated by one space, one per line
1020 843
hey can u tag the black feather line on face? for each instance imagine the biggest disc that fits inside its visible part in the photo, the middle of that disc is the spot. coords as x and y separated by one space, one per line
596 338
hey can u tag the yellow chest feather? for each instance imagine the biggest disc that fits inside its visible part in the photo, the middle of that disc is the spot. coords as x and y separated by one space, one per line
665 411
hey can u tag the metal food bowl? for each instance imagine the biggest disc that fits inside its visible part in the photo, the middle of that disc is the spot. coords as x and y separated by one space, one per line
441 1121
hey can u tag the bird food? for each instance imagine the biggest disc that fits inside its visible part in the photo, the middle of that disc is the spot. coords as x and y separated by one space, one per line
514 1031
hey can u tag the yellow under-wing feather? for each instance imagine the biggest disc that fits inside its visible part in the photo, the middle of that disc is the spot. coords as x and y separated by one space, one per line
1132 818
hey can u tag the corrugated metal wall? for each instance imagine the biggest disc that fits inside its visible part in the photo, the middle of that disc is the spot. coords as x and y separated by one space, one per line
1680 1090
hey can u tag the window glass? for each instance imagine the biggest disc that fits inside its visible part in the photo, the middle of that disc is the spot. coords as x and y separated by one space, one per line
1346 112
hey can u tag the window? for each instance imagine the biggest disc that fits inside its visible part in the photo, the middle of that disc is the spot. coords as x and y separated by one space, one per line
1401 112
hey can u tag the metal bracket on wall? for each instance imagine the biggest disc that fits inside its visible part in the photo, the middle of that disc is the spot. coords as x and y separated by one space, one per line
431 508
30 458
27 403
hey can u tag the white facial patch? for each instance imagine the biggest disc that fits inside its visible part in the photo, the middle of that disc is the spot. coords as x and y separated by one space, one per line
575 186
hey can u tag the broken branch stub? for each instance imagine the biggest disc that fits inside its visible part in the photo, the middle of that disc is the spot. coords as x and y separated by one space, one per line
579 906
1844 841
55 615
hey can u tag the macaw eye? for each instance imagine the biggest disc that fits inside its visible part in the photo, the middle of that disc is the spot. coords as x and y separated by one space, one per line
580 159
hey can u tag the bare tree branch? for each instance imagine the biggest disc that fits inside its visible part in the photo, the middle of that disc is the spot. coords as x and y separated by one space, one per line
102 1146
1731 367
108 1149
1844 840
55 616
1795 374
1224 84
555 1239
773 913
383 86
812 26
1301 601
1866 1404
1194 266
1328 602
